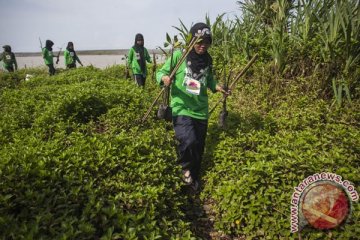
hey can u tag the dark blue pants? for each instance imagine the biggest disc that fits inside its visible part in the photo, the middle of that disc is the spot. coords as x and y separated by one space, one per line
140 80
10 68
71 65
51 69
191 134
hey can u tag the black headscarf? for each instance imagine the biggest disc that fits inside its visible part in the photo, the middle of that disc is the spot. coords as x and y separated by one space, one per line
199 62
139 48
49 44
70 48
7 48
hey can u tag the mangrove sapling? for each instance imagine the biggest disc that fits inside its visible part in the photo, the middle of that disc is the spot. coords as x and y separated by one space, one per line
183 31
224 113
225 57
232 85
127 71
153 75
58 55
164 111
41 45
164 52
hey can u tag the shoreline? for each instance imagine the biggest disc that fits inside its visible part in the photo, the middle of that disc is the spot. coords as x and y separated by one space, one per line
89 52
97 58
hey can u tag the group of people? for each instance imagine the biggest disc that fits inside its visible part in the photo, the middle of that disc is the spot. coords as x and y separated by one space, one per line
137 57
70 56
188 91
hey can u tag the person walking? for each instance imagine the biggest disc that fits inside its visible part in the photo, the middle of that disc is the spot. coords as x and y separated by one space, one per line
48 56
8 58
70 56
137 58
189 102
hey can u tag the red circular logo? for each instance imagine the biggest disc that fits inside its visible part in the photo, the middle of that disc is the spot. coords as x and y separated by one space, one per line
325 206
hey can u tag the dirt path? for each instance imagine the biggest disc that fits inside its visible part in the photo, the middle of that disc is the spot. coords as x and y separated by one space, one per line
202 219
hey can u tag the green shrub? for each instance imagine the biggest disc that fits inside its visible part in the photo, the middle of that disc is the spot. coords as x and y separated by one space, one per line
76 163
253 166
71 170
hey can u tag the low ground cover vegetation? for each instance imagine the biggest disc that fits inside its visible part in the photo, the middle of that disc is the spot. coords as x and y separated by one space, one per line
75 164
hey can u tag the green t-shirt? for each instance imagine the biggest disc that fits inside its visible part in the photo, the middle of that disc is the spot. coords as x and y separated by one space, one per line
183 102
8 59
70 57
48 56
133 61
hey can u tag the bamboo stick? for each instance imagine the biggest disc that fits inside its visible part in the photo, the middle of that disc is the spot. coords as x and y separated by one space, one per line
232 85
172 74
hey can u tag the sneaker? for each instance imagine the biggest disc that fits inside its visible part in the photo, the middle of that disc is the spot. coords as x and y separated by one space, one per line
187 177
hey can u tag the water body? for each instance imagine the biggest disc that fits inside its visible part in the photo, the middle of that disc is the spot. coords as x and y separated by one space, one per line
29 60
99 61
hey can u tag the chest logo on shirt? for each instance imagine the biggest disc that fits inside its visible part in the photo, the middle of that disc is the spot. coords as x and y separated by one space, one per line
193 86
201 77
137 56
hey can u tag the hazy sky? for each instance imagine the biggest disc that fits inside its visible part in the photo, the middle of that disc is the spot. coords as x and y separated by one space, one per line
100 24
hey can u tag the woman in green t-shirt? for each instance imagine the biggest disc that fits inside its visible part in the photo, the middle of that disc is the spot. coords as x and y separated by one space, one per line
48 56
137 58
9 59
189 102
70 56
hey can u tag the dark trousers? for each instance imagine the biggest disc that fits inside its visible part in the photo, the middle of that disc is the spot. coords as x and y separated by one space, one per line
10 68
191 134
51 69
140 80
72 65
